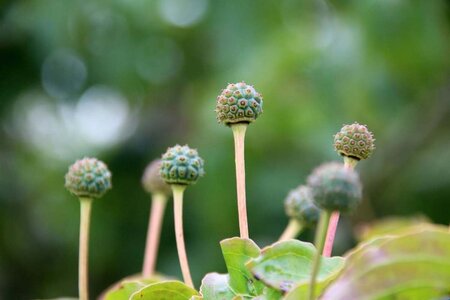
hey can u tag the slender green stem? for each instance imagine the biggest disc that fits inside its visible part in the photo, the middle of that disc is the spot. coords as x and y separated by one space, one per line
159 202
85 216
319 242
178 191
239 130
293 229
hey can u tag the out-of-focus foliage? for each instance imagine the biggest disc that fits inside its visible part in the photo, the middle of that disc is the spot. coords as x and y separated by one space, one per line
390 226
122 80
411 265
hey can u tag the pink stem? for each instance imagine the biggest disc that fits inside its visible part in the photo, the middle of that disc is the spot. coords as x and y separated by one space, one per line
331 232
86 204
153 234
332 226
178 191
239 137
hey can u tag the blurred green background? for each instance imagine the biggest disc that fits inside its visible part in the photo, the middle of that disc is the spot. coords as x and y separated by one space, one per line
123 80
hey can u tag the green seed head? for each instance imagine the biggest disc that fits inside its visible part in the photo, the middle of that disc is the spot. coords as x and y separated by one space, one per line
354 141
88 177
335 187
152 181
181 165
238 103
299 205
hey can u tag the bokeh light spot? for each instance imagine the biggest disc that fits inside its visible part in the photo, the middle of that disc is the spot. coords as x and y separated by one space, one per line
101 115
63 74
183 13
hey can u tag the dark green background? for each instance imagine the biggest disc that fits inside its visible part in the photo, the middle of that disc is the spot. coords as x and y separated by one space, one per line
319 64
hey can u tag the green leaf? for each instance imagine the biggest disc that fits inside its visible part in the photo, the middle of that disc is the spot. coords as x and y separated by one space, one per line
412 266
269 294
301 290
390 226
126 289
286 264
166 290
61 298
216 287
128 285
237 252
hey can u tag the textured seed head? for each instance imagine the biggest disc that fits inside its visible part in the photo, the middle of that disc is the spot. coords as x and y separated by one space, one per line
181 165
152 181
238 103
299 205
88 177
335 187
354 141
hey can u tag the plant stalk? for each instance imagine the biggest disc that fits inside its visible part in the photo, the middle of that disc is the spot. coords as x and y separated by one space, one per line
239 130
178 191
349 163
83 258
319 242
293 229
159 202
331 233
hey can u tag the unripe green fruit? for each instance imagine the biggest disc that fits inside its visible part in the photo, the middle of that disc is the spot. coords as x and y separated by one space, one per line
181 165
89 178
238 103
299 205
335 187
152 181
354 141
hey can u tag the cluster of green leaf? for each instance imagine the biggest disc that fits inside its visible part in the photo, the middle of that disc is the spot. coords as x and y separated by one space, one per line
413 263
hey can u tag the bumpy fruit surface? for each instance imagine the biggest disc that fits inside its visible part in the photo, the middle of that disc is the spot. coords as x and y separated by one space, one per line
181 165
354 141
335 187
299 205
88 177
238 103
152 181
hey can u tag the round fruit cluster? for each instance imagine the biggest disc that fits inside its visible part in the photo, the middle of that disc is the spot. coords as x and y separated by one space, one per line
238 103
181 165
152 181
354 141
299 205
88 177
335 187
